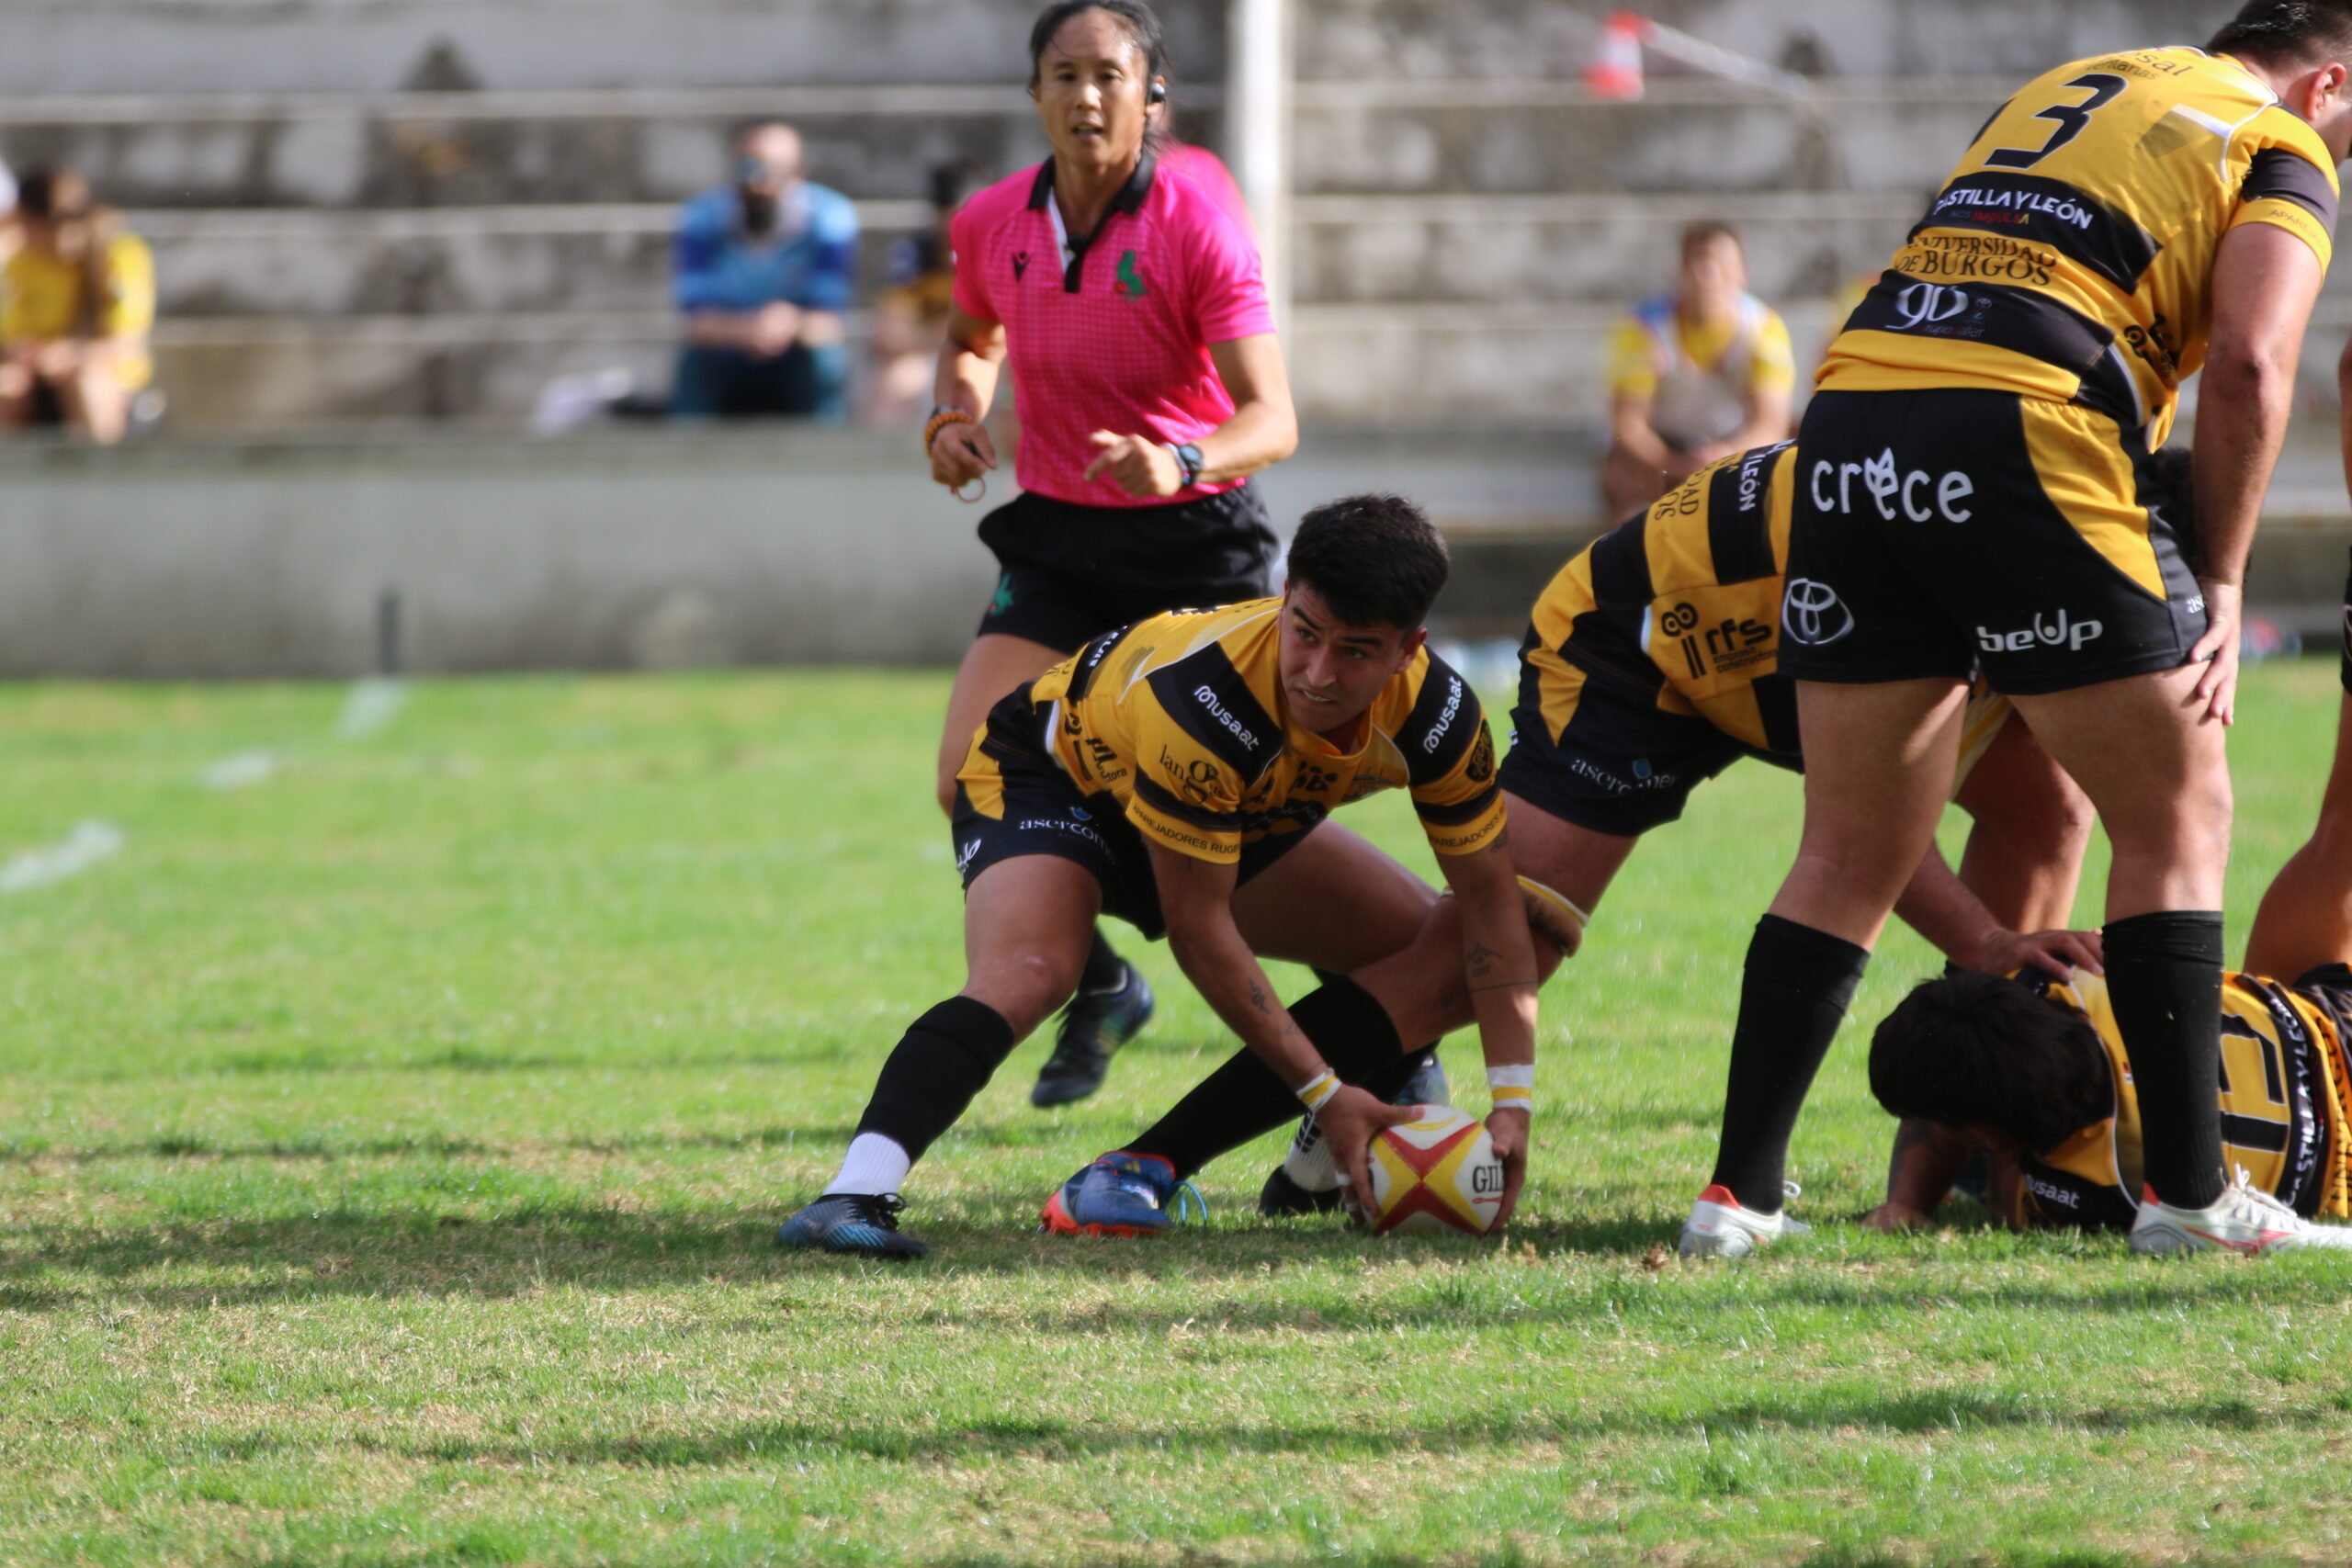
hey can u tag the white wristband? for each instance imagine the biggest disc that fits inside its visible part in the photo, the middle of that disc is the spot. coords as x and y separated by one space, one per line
1512 1087
1317 1092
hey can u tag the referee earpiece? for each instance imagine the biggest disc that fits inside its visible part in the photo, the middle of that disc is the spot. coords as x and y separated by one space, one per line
1157 95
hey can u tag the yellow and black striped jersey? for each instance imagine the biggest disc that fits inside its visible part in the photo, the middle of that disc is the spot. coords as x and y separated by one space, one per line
2070 254
1681 606
2284 1110
1182 718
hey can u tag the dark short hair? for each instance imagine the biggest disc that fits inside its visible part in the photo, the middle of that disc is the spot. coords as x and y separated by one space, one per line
1142 24
2287 32
1979 1050
46 192
1695 234
1375 559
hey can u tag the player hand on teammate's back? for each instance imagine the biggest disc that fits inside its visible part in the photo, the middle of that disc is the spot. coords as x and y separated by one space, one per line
1137 464
1349 1120
961 453
1508 1130
2058 953
2216 692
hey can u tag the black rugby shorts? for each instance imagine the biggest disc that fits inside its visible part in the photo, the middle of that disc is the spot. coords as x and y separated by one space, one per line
1620 764
1012 798
1071 572
1940 531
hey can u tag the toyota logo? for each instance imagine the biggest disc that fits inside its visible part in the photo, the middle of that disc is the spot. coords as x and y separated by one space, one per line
1812 614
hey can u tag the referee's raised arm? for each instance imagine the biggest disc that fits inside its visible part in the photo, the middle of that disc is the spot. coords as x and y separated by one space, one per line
1120 284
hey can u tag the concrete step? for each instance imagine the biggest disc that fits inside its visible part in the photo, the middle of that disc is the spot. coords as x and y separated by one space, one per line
1414 39
447 150
440 261
1364 250
1464 366
50 46
1521 135
376 46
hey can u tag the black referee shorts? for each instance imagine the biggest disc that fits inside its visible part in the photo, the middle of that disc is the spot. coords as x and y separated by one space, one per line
1071 572
1940 531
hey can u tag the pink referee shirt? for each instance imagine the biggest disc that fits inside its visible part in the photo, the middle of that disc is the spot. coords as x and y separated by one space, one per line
1116 336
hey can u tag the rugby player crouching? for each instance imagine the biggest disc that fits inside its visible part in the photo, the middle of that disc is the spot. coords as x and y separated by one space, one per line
1177 772
1649 667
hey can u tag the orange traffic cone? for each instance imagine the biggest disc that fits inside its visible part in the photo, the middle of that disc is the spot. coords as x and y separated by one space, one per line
1614 72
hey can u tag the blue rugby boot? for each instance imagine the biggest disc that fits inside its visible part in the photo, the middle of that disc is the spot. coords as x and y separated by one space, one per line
861 1224
1095 1024
1120 1195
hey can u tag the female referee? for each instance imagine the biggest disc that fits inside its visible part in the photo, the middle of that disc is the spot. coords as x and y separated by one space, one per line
1131 306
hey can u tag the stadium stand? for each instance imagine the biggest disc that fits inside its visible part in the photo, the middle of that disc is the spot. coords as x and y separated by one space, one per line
418 213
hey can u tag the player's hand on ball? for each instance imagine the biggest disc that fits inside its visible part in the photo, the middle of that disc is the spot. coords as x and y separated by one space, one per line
2057 954
1349 1120
1137 464
2216 692
962 453
1508 1130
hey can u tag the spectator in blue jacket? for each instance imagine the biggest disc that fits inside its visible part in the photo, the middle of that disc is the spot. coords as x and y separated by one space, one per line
763 273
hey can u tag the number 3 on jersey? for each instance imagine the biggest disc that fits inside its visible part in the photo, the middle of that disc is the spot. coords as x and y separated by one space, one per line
2072 119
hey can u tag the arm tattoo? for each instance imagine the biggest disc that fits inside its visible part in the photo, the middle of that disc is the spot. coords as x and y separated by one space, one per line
1258 997
1482 960
1909 1134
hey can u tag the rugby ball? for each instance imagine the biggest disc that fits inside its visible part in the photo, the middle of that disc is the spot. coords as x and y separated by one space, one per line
1437 1174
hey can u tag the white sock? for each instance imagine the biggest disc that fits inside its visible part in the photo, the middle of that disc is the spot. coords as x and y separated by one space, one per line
874 1165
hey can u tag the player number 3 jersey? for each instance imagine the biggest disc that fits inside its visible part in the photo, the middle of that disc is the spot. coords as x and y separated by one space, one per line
2070 255
1182 718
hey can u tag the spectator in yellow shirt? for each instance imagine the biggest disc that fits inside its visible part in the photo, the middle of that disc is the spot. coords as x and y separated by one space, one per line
76 302
1694 375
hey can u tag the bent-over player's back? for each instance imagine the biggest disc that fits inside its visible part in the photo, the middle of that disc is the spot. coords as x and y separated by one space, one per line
1681 605
2070 254
2284 1113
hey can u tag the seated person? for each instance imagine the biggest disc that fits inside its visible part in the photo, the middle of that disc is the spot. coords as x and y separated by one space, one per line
763 273
1650 667
1178 773
1695 375
2034 1076
77 301
911 312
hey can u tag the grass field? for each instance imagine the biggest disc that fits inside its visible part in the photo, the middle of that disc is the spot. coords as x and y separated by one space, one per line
391 1145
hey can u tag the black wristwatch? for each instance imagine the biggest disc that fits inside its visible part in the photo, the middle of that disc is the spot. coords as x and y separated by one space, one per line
1188 461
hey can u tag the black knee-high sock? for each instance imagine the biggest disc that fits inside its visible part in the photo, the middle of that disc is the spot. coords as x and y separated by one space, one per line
1105 968
2163 979
1243 1098
943 1060
1798 984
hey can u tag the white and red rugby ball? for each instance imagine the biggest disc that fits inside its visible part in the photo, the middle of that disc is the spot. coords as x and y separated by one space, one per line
1437 1174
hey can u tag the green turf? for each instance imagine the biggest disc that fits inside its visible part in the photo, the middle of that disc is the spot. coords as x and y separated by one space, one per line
390 1150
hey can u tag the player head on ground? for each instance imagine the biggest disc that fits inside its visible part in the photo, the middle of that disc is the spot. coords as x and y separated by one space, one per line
1993 1060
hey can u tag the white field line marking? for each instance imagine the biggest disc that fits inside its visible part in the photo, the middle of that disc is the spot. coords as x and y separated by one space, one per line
85 847
240 770
373 703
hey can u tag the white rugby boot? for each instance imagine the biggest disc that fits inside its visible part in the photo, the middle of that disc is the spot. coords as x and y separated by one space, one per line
2242 1218
1719 1228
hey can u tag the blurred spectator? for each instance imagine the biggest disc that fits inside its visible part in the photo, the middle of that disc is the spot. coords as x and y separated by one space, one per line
1695 375
9 235
76 302
764 269
910 314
